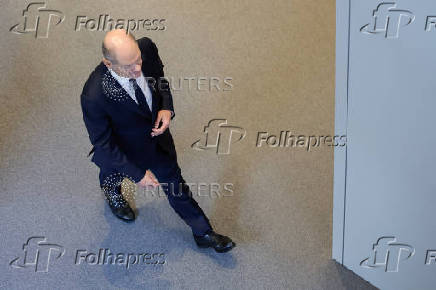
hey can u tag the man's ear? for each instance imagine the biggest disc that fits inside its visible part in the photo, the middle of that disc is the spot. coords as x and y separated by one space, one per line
107 63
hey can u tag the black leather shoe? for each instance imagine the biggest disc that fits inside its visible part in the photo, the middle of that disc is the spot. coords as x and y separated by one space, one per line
118 205
220 243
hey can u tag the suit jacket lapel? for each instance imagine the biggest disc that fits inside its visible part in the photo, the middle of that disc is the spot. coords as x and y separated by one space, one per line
115 92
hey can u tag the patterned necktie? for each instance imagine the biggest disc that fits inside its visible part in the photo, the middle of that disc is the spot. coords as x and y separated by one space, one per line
142 101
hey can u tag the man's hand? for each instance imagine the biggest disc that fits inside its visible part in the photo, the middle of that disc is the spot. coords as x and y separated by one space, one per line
149 179
165 117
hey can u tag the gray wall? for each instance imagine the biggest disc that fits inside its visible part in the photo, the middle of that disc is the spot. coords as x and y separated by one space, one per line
384 226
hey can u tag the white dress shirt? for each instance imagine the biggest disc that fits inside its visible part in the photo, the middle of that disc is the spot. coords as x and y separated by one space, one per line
125 83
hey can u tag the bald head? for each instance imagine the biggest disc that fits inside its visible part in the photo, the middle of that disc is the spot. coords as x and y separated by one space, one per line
121 53
118 43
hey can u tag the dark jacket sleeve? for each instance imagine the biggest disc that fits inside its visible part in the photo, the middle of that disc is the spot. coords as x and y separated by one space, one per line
162 84
106 152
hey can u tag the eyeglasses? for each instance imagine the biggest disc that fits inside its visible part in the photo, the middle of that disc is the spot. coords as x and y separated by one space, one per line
129 67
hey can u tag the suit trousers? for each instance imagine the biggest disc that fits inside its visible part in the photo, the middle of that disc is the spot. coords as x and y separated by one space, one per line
168 174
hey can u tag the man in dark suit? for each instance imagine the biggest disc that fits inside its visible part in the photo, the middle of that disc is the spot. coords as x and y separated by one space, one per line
127 108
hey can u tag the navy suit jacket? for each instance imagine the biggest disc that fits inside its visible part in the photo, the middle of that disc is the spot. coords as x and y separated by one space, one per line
118 128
